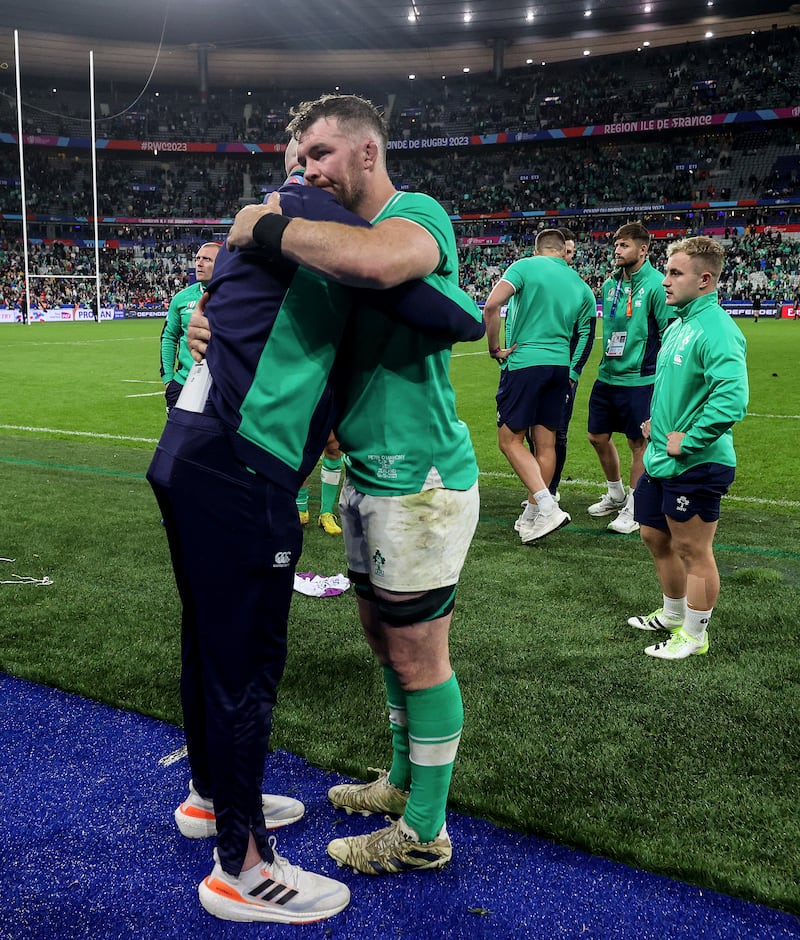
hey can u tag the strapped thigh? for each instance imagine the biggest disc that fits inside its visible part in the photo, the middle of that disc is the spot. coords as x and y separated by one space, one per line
428 606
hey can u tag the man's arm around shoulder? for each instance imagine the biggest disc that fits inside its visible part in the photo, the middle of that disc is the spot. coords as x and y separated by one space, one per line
385 255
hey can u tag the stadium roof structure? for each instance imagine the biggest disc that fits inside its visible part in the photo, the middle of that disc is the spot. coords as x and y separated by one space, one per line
291 42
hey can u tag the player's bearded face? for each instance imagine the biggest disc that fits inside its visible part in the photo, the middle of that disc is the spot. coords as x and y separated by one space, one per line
627 254
334 161
342 174
349 189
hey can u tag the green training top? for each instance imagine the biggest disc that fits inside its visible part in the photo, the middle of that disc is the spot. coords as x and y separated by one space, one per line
701 389
399 419
549 300
635 315
176 360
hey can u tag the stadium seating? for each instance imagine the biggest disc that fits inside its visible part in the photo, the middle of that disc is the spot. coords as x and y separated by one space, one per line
495 193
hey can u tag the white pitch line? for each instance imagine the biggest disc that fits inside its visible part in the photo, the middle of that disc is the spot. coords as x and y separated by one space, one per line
99 436
142 381
750 414
756 500
753 414
790 503
85 342
173 758
145 395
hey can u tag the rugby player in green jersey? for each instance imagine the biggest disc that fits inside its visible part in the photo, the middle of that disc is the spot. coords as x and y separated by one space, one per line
240 452
409 506
547 301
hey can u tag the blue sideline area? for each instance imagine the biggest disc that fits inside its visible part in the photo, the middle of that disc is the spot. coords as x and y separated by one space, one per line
90 850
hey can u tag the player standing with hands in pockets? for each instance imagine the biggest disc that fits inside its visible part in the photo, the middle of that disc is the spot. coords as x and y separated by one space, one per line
700 392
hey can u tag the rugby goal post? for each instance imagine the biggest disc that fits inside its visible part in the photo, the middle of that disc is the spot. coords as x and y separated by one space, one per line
26 258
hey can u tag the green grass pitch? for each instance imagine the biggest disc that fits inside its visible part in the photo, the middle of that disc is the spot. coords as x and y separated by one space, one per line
688 769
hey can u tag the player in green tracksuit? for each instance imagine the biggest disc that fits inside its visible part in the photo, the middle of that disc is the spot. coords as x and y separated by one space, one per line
634 319
631 342
176 360
700 392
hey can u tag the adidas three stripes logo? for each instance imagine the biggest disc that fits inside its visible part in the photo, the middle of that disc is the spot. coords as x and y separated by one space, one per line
273 891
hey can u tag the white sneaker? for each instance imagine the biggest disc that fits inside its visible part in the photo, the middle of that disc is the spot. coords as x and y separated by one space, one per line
624 523
521 516
196 819
606 505
544 524
679 646
272 891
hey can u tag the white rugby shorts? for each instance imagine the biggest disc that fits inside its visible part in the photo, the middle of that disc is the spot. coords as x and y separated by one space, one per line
416 542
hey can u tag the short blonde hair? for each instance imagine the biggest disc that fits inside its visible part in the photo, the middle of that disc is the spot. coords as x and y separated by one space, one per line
705 253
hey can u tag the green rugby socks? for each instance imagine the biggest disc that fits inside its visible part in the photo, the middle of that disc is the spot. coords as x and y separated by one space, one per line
302 499
435 721
400 772
330 475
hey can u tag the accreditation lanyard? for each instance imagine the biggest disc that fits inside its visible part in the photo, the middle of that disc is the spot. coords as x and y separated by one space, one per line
615 300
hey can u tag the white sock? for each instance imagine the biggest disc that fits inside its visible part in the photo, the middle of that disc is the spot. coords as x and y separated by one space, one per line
545 502
616 490
531 510
629 502
674 607
696 623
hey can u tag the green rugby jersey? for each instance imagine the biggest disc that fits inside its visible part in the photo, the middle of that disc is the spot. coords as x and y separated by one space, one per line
701 389
275 332
549 300
635 315
176 360
399 418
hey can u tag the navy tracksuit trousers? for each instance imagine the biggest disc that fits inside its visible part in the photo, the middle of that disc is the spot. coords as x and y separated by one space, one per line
235 539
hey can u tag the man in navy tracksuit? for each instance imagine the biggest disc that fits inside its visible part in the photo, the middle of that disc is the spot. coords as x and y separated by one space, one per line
226 481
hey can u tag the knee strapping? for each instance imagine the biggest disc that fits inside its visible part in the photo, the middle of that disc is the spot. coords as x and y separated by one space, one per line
429 606
362 585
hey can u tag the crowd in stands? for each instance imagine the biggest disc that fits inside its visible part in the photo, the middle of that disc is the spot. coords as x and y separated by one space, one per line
753 71
130 277
737 162
716 75
588 180
595 172
149 272
59 182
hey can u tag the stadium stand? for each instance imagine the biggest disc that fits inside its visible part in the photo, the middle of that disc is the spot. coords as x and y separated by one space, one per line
157 204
